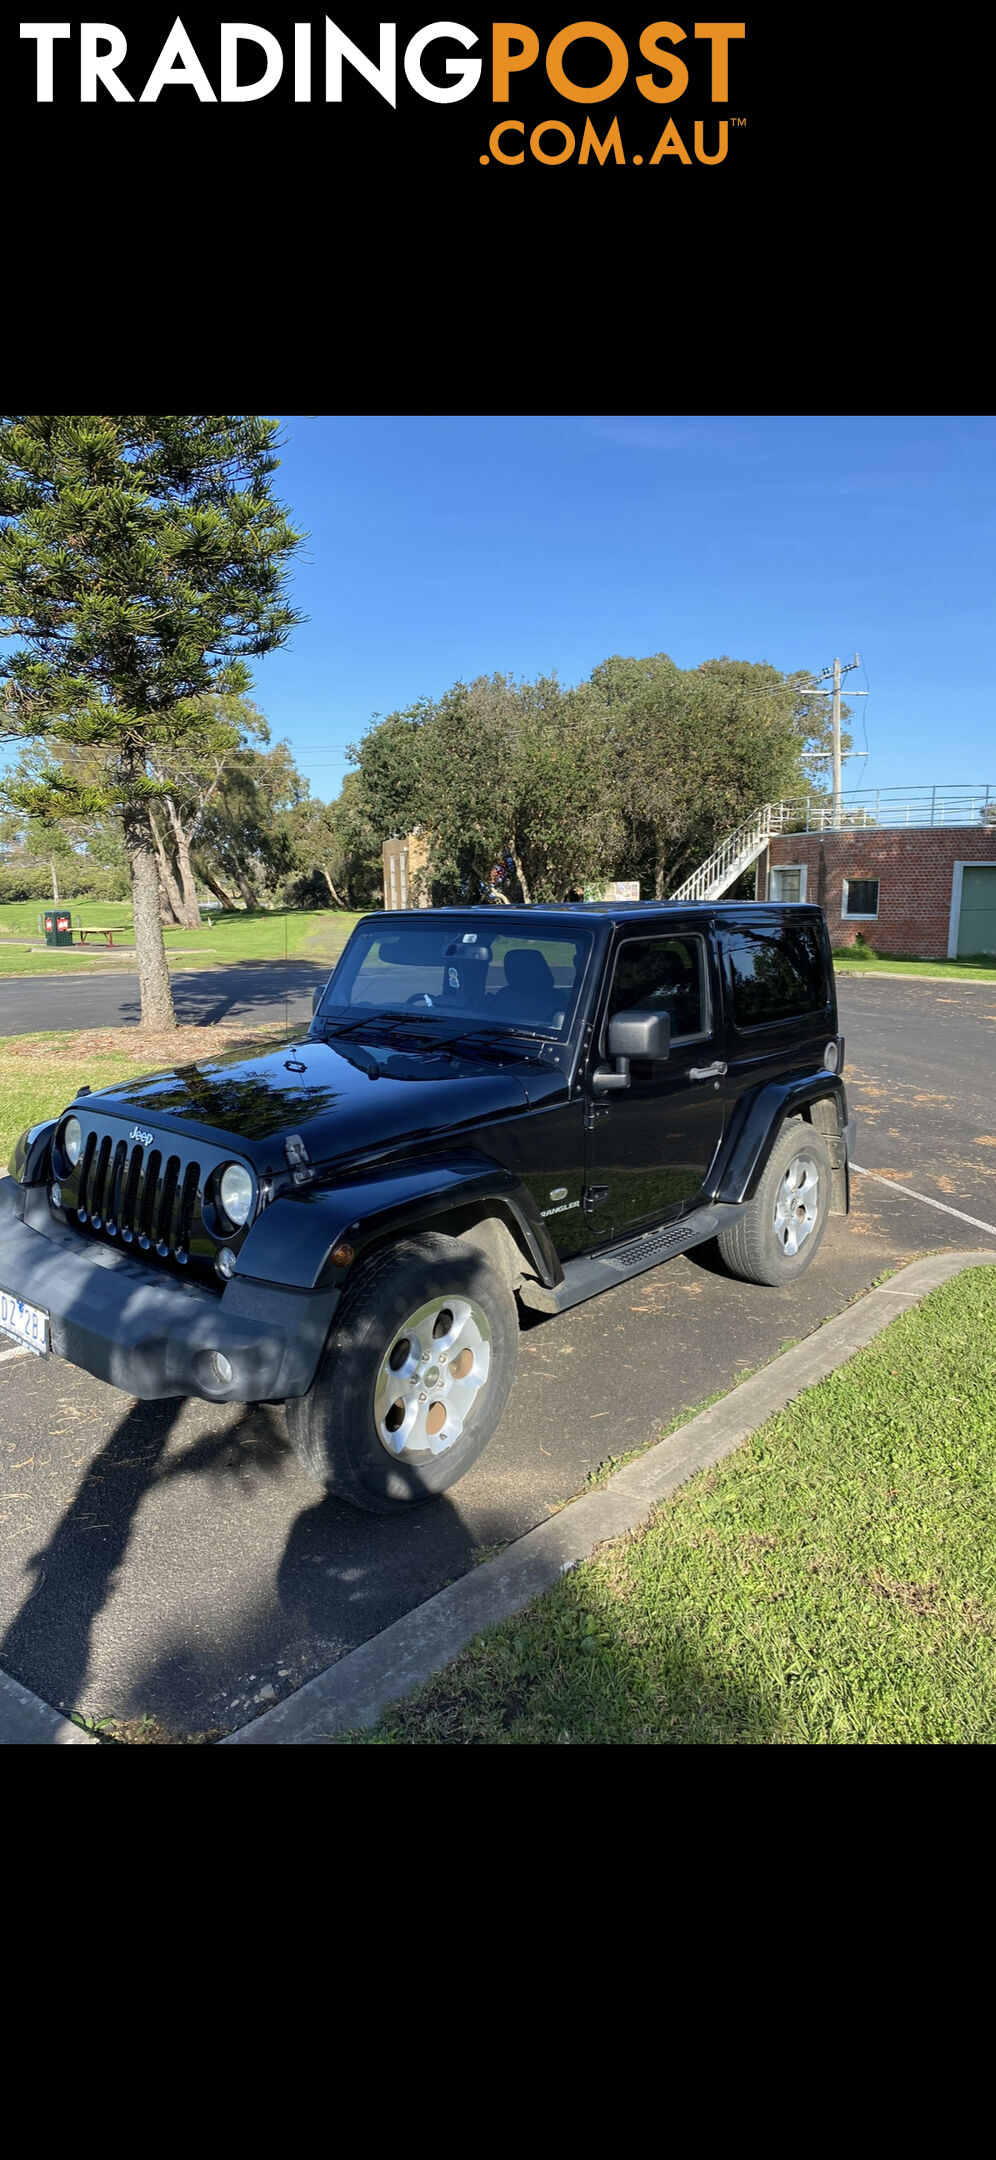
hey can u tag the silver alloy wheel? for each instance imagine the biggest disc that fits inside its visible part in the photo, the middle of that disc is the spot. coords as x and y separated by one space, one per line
430 1379
797 1204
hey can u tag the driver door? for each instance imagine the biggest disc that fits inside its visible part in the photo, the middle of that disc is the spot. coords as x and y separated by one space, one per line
651 1144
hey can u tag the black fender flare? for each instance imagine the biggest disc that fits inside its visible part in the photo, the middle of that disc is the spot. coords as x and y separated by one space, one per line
29 1156
755 1123
292 1242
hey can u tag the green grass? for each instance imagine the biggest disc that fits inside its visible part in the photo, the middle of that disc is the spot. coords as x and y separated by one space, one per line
28 1097
856 962
60 961
40 1074
19 918
301 933
318 934
833 1582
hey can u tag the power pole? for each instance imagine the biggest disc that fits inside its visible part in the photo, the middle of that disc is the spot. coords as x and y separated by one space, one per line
838 670
837 811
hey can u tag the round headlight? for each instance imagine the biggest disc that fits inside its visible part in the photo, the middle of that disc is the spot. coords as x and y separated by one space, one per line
72 1140
235 1194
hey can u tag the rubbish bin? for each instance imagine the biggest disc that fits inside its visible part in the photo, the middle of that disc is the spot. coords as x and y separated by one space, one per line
58 927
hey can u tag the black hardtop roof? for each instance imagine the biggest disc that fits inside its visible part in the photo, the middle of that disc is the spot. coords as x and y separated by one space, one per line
570 912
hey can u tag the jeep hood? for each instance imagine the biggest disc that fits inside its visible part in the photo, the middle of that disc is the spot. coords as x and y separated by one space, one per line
353 1101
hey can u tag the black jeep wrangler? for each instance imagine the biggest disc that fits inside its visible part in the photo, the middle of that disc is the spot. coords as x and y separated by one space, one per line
534 1104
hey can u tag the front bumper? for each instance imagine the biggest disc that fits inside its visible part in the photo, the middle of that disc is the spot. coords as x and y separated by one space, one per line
147 1332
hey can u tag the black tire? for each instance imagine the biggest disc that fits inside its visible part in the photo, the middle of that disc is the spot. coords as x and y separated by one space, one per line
342 1429
759 1247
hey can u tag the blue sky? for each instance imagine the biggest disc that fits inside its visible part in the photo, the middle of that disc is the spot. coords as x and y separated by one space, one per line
448 547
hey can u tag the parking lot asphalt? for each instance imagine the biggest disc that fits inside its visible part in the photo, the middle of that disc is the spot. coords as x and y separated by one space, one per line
249 990
173 1561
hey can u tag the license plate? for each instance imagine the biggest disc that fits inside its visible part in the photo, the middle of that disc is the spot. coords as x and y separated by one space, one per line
27 1324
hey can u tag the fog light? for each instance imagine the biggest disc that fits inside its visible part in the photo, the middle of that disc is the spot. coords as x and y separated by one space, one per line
222 1368
56 1196
225 1263
830 1057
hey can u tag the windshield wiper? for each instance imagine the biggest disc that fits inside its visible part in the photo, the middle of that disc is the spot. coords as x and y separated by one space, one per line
486 1039
427 1023
363 1020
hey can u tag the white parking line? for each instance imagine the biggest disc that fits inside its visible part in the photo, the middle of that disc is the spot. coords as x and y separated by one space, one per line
5 1354
910 1190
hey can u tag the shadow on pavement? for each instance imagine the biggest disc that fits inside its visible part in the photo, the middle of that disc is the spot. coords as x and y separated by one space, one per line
242 990
325 1601
75 1573
248 990
235 1623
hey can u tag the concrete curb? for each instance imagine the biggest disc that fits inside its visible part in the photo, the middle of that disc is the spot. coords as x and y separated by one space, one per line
974 982
352 1694
26 1721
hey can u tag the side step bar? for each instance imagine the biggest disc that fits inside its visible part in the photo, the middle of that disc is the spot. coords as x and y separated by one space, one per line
592 1272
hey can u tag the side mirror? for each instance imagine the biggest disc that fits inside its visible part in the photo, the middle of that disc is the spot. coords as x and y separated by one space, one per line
633 1035
316 998
640 1035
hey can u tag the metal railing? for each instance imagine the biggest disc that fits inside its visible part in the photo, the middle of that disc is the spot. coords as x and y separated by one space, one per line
941 805
871 807
736 853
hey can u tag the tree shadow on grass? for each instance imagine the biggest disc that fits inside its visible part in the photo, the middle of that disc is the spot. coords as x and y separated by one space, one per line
569 1672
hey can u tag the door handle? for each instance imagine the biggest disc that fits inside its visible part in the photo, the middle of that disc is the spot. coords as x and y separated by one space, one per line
707 1072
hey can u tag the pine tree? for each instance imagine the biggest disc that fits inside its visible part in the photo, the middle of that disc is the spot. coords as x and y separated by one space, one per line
143 562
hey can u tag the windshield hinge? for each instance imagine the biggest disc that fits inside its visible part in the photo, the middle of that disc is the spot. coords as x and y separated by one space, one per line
298 1159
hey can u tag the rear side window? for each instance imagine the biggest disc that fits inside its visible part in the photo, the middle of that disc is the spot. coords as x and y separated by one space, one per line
776 973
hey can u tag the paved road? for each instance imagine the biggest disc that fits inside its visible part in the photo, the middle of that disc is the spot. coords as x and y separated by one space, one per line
173 1558
251 990
921 1065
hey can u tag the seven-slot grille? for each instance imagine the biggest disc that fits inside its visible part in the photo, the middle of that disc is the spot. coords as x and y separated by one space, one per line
148 1197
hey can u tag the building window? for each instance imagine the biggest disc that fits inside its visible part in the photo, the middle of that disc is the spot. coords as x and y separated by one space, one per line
860 898
788 881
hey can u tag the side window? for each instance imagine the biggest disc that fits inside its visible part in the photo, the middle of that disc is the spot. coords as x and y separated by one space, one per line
663 975
775 974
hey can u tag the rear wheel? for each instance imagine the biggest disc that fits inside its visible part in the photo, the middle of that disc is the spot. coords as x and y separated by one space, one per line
780 1232
414 1377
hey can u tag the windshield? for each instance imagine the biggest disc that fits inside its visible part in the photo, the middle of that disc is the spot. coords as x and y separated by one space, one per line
461 972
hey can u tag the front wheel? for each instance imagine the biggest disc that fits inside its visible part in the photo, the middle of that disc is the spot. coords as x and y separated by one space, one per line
413 1379
778 1235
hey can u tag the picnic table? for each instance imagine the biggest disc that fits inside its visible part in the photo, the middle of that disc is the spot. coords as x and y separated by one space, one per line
104 930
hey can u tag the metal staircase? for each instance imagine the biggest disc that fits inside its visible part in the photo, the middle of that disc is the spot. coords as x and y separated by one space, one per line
958 805
736 853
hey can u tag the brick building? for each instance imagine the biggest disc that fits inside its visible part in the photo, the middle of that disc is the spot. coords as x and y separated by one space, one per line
924 889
